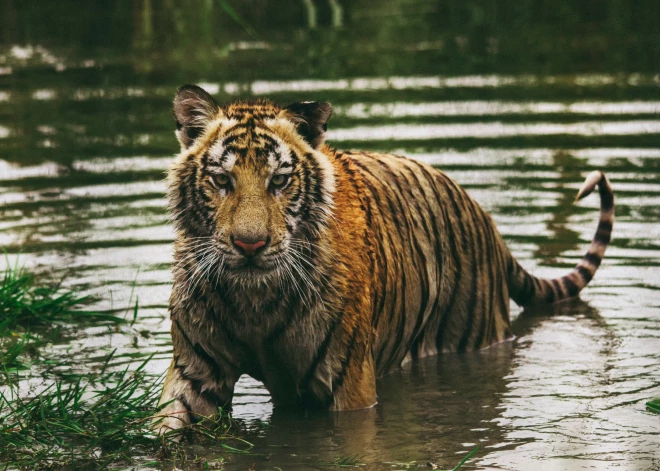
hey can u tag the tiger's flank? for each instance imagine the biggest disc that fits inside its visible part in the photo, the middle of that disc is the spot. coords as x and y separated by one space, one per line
316 271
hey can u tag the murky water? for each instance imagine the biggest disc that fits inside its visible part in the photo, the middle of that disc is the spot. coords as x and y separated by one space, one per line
517 105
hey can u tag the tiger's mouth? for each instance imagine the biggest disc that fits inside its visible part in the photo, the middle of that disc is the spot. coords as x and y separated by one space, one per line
253 267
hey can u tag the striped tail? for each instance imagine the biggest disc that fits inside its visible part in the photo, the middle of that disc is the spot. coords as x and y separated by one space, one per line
526 289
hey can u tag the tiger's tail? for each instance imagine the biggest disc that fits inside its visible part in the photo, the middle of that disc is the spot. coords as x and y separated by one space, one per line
526 289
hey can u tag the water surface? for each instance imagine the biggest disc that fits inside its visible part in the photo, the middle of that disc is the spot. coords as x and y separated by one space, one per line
517 105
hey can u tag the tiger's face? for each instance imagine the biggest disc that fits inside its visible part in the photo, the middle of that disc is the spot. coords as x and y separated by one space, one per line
250 188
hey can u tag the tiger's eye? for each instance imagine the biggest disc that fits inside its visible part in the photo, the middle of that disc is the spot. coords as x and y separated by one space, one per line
221 180
278 181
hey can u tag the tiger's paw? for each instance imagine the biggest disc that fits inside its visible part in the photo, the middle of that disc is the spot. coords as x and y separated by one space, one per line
171 421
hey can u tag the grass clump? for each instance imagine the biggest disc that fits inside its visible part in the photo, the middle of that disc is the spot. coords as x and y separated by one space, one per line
32 315
25 305
98 422
89 421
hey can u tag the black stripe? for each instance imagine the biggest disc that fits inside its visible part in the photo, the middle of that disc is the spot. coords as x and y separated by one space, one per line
306 186
460 216
385 234
412 344
388 301
413 348
267 140
208 394
203 354
436 232
556 293
604 232
316 173
493 262
396 257
605 225
400 327
593 258
321 352
195 206
220 159
412 241
458 266
603 237
571 287
180 209
585 273
471 309
294 197
414 200
192 417
606 198
503 300
487 312
339 378
290 312
484 254
293 213
381 294
229 140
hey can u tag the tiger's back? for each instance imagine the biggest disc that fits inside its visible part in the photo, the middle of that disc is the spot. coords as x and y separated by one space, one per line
440 282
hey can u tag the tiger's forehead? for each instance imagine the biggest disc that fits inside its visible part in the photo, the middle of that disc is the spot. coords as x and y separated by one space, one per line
251 142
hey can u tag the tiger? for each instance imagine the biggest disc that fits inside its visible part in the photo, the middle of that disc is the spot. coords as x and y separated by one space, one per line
316 271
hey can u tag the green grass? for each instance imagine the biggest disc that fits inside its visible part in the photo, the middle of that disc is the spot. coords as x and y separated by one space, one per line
33 314
97 422
654 405
464 460
88 421
26 305
92 422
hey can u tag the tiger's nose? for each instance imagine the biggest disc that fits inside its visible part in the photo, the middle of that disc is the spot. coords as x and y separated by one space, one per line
249 246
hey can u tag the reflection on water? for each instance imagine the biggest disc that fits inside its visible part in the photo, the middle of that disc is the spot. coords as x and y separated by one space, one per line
518 105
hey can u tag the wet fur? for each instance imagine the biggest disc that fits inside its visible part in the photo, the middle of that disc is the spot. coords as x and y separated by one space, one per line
394 262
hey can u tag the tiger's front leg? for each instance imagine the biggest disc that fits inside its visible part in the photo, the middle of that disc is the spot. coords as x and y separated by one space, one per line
185 404
358 386
193 388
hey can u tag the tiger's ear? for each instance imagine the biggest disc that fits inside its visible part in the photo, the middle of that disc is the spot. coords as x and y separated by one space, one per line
310 118
193 109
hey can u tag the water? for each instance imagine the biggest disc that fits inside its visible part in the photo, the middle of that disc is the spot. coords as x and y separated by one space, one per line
517 105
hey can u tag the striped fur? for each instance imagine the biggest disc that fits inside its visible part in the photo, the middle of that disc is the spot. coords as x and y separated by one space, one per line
371 260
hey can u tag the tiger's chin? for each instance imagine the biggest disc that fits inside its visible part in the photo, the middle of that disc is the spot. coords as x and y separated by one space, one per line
252 273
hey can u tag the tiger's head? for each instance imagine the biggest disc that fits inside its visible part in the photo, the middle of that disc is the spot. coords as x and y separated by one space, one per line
251 188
